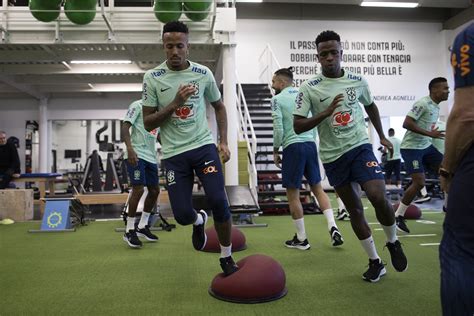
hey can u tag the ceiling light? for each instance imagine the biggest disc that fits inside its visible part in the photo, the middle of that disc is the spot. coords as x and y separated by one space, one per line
101 62
118 87
389 4
66 65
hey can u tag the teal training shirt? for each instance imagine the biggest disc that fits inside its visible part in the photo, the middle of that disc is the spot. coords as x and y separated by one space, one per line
345 129
143 142
438 143
283 105
396 148
425 112
187 128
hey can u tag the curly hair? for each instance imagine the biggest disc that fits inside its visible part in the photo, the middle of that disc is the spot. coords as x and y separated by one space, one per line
435 81
327 36
175 26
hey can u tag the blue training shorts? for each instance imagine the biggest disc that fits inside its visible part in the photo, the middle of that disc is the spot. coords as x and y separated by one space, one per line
145 173
300 159
357 165
205 162
415 159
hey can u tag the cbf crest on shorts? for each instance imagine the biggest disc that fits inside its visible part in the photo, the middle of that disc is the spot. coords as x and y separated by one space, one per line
351 94
136 175
170 177
416 164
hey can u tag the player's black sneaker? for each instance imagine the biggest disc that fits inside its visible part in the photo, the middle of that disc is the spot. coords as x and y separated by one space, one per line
146 233
399 260
423 199
228 265
401 225
298 244
131 239
336 237
199 233
342 215
375 271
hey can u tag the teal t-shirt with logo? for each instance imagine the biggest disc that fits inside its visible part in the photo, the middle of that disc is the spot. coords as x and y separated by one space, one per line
345 129
187 128
143 142
425 112
438 143
283 105
396 148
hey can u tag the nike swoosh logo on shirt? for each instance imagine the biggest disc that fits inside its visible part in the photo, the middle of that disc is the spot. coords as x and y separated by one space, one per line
378 171
163 90
322 100
208 162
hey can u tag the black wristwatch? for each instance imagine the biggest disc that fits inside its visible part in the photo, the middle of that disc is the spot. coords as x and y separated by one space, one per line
444 173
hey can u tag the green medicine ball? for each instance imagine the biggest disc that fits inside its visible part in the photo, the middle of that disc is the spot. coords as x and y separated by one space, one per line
203 6
168 10
45 5
80 18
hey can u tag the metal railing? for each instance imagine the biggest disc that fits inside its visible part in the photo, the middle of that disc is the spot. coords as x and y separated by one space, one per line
245 123
268 65
16 22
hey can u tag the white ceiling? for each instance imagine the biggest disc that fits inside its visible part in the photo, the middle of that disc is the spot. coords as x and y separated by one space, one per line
45 70
422 3
39 68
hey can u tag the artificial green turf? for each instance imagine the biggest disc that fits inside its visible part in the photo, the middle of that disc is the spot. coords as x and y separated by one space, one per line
93 272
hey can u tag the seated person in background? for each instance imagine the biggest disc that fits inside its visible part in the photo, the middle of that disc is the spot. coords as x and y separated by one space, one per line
9 161
101 164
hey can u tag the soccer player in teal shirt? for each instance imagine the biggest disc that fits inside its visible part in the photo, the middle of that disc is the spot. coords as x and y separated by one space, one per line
174 99
393 159
334 99
142 167
417 149
300 157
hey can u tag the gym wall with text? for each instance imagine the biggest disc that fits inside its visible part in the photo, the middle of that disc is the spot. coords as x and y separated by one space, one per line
398 59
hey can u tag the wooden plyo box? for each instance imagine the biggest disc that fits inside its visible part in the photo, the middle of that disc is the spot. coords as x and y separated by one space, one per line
16 204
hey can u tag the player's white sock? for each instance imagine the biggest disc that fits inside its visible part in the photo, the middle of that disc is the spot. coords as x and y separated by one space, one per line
329 218
390 232
340 204
300 230
402 208
424 192
199 220
144 220
369 247
130 223
226 251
